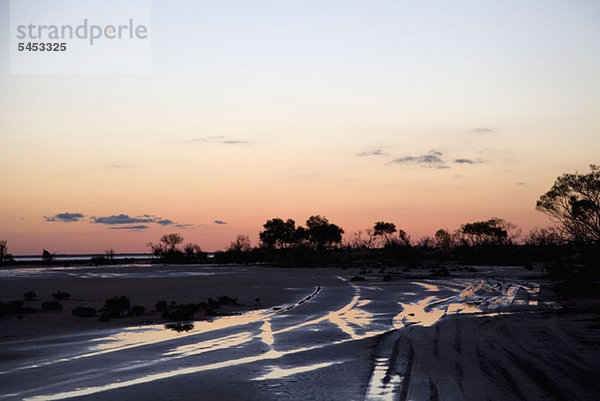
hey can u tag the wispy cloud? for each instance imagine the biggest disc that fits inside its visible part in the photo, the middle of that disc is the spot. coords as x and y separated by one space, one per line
372 152
483 130
432 159
219 139
185 225
219 222
136 227
468 161
116 219
65 217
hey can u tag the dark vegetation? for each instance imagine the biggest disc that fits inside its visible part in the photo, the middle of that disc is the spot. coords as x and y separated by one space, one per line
571 247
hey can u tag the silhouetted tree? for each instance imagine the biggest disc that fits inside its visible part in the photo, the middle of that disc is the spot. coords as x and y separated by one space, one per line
444 240
491 232
167 247
47 256
5 257
322 233
384 231
574 203
241 243
544 237
278 233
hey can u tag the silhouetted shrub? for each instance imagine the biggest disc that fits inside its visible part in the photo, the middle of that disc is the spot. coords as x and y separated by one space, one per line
29 296
61 296
225 300
179 327
387 277
11 307
213 303
137 310
358 278
84 311
180 312
115 307
161 306
51 305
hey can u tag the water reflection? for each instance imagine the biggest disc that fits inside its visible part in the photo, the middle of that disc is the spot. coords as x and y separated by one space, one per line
275 372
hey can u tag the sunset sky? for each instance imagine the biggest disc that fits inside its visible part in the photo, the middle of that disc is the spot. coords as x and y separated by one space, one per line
426 114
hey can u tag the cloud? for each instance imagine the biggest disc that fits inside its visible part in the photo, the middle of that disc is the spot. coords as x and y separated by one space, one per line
482 130
468 161
372 152
185 225
522 183
220 139
431 159
122 219
219 222
65 217
136 227
165 222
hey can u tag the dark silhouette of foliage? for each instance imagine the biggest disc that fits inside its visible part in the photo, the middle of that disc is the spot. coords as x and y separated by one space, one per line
322 233
241 244
574 203
30 296
491 232
115 307
179 327
167 250
161 306
47 256
444 240
384 231
278 233
5 257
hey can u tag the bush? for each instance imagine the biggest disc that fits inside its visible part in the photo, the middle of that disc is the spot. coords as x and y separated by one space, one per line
115 307
83 311
29 296
61 296
51 305
180 312
137 310
11 307
161 306
179 327
358 278
387 278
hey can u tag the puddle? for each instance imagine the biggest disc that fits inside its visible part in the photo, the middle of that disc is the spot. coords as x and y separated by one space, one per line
276 373
382 387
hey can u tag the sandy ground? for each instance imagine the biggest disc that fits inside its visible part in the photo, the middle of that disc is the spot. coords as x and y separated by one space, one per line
464 337
253 287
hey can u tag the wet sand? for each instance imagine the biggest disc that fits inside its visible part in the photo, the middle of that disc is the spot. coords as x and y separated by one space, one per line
498 334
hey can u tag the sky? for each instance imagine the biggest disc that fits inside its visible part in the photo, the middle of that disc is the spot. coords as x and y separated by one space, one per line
427 114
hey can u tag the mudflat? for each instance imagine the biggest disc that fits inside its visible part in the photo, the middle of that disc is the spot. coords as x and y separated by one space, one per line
301 333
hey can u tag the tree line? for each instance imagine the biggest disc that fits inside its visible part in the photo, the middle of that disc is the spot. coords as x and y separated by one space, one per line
573 204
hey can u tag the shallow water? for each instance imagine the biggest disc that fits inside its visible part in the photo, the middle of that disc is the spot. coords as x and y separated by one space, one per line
266 345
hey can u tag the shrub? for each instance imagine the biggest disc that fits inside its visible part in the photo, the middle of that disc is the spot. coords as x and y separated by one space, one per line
137 310
358 278
51 305
84 311
179 327
387 277
161 306
29 296
115 307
